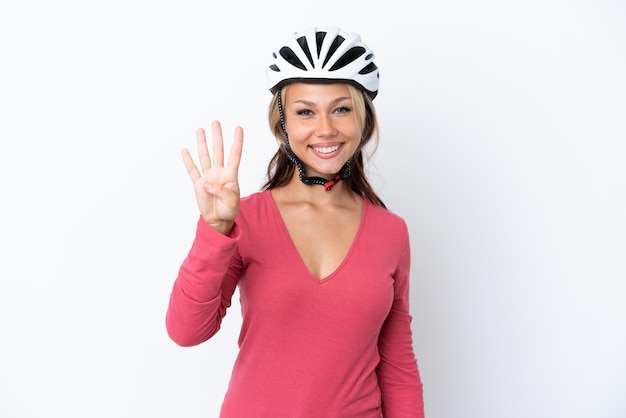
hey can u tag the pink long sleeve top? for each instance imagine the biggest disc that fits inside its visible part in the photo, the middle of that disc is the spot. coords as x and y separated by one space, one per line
336 347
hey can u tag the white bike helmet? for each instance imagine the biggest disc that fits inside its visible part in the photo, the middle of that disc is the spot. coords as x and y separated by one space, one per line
324 54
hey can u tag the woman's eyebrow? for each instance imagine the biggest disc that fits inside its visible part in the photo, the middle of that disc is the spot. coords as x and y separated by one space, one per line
334 102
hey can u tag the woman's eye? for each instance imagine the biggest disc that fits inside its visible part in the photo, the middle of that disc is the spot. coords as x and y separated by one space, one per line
304 112
344 109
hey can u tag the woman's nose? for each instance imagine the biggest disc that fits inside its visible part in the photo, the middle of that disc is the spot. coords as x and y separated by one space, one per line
325 126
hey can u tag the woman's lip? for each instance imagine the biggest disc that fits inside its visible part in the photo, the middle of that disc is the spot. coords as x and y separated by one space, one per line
325 149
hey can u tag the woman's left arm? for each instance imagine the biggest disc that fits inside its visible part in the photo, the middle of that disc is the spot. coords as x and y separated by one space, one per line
398 373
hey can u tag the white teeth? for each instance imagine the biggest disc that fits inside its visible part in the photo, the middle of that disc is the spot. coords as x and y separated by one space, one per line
326 150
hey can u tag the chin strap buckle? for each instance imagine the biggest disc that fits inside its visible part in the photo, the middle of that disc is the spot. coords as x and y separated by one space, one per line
330 183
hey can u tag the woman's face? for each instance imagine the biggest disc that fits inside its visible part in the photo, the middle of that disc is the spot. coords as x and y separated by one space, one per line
322 126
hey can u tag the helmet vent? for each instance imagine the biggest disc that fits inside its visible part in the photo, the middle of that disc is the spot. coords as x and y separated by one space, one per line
290 56
369 68
274 67
333 47
305 48
351 55
319 39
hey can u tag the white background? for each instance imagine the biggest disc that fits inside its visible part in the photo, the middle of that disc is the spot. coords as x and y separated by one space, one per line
503 146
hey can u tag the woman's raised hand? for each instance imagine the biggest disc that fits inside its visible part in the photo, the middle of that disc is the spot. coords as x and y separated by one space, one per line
216 186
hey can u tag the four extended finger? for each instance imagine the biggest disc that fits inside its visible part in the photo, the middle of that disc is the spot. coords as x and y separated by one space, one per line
235 152
203 150
218 144
190 165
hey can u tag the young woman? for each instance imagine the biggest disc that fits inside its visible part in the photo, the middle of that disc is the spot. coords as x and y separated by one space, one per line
322 266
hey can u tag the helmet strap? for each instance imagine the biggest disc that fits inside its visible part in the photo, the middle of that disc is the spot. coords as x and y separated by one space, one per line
328 184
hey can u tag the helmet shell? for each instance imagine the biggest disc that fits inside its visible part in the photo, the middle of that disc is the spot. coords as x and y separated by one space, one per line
324 54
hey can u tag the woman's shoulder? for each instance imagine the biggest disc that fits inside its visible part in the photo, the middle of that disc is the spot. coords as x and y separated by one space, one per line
255 199
383 215
386 229
255 205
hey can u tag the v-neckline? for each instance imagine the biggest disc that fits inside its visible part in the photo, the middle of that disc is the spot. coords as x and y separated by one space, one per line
297 255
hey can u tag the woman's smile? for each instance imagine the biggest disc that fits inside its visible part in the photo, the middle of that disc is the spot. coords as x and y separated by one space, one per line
326 150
